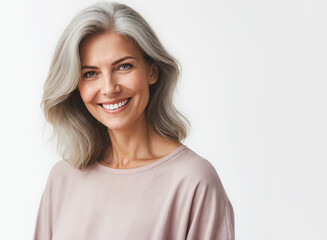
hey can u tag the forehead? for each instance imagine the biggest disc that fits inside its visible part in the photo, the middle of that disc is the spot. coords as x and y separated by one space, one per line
107 46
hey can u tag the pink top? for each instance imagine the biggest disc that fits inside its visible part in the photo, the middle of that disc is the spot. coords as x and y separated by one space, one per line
179 196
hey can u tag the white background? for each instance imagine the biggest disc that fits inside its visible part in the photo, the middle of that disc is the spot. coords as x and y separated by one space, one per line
253 86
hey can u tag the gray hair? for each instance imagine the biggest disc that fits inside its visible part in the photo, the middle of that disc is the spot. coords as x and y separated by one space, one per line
81 139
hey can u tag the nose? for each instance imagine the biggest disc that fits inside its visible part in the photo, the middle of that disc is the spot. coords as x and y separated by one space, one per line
109 86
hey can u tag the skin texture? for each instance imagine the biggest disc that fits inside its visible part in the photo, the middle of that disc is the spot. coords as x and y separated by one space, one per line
105 78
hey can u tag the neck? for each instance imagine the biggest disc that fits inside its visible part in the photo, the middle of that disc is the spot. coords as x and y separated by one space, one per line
137 142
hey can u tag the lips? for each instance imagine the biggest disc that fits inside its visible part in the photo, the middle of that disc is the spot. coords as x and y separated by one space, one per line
115 101
114 105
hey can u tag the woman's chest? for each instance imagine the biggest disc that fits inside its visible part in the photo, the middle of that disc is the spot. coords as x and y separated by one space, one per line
122 211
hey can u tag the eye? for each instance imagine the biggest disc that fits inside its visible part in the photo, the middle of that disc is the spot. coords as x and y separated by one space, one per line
89 74
125 66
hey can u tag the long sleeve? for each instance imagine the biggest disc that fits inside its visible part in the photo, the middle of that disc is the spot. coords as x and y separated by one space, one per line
212 215
43 226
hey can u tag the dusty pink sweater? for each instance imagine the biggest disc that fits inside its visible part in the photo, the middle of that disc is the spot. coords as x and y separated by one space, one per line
179 196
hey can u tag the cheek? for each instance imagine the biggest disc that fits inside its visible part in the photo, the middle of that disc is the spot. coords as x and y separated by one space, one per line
86 92
139 83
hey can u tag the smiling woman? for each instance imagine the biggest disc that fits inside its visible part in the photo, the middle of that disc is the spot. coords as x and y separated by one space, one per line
119 81
125 173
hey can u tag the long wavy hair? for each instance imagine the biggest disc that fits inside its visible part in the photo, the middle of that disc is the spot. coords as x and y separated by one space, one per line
81 139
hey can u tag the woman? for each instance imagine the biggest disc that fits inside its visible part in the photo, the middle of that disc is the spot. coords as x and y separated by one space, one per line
125 173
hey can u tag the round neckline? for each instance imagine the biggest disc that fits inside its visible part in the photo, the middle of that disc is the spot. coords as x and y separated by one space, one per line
102 167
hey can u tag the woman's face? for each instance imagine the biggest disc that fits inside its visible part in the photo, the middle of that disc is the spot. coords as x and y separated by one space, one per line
115 79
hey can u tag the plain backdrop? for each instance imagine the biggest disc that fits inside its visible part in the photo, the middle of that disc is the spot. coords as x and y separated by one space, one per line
253 85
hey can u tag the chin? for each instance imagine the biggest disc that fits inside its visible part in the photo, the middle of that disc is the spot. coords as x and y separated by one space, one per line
116 126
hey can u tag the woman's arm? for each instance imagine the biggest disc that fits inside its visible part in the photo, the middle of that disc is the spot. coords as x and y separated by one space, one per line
212 215
43 226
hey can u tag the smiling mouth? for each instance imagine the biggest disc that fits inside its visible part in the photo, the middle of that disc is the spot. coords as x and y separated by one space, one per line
115 106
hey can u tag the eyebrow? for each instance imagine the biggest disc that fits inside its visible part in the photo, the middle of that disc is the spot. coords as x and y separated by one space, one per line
114 63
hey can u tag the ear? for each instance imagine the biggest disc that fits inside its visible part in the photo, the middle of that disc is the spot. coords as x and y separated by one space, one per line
153 74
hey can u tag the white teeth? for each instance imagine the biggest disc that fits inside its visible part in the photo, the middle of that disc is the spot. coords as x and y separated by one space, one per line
114 106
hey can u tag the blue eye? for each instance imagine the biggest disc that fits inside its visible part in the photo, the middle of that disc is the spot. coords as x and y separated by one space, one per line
89 74
125 66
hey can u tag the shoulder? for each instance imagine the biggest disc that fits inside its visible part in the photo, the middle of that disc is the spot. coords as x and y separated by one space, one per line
60 172
60 167
197 168
200 178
